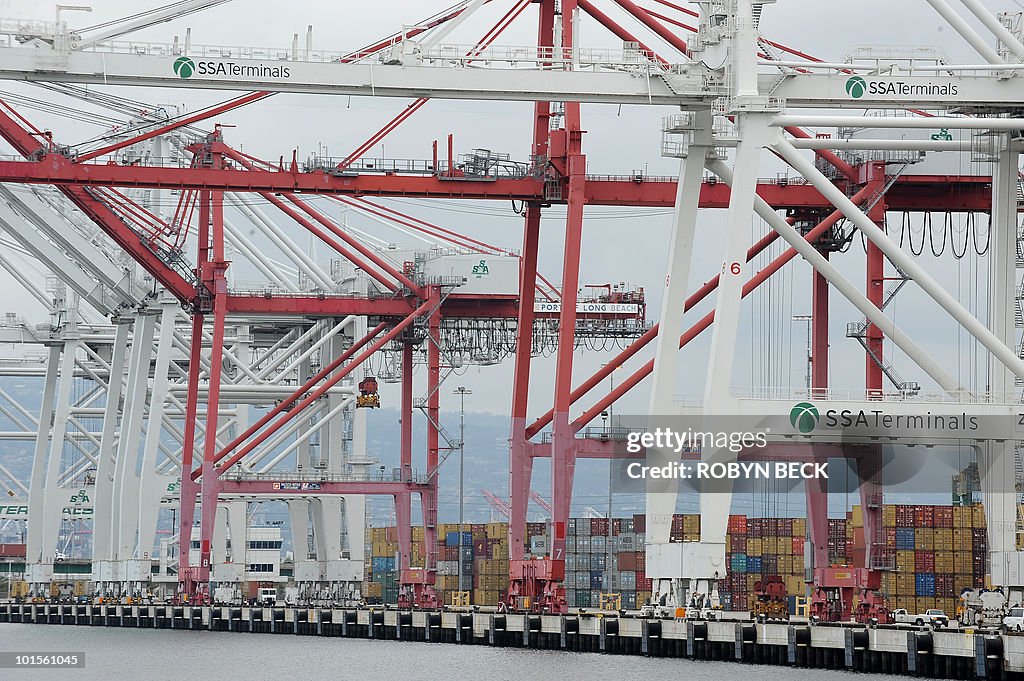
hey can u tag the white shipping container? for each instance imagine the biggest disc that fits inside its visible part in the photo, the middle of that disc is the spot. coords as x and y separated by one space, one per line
488 274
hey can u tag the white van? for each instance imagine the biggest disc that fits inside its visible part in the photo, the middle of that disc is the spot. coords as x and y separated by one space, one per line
1014 620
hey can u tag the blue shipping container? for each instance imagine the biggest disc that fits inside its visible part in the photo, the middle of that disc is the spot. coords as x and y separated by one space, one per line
452 539
905 538
924 584
753 563
739 562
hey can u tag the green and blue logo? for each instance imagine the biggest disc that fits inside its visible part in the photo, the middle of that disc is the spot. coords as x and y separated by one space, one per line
856 87
804 417
184 67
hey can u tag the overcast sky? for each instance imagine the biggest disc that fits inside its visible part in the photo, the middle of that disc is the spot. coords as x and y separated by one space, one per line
620 244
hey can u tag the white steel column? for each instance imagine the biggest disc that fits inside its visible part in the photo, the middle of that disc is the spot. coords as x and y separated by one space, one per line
755 133
151 485
661 505
34 540
103 541
895 254
126 491
1003 258
996 460
54 497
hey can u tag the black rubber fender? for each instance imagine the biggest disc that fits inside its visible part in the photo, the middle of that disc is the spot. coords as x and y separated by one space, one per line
611 626
533 623
572 625
499 623
749 633
860 639
803 635
405 619
377 617
994 646
434 619
924 641
654 628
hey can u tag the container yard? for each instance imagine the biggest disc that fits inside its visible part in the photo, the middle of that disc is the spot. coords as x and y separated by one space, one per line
690 332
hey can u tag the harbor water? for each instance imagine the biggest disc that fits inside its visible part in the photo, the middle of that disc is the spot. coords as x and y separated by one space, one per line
159 655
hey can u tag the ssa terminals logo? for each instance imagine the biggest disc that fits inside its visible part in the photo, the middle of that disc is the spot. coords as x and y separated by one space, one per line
804 417
184 67
856 87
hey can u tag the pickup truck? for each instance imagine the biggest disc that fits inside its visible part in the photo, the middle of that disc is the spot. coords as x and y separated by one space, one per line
935 618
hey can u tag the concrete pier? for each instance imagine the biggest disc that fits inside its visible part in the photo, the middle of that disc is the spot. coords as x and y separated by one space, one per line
943 654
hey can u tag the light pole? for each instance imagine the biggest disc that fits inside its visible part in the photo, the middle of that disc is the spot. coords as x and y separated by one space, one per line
607 417
461 391
808 319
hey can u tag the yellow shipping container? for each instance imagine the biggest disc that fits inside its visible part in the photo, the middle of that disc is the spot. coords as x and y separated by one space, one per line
889 582
905 602
795 585
889 516
905 561
373 589
798 565
691 536
785 565
497 530
924 538
858 516
378 534
943 540
753 547
769 546
963 562
799 527
962 516
944 561
904 584
924 603
978 515
691 523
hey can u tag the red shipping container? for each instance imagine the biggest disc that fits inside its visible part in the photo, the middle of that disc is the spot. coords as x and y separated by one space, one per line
479 548
924 561
924 517
627 561
641 562
616 527
639 523
737 524
943 516
785 527
599 527
644 584
738 544
904 516
13 550
798 545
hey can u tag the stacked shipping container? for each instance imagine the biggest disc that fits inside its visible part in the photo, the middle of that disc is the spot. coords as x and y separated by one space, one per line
938 551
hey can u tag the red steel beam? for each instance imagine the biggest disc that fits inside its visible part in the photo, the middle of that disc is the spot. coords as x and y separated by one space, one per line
647 20
618 30
933 192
